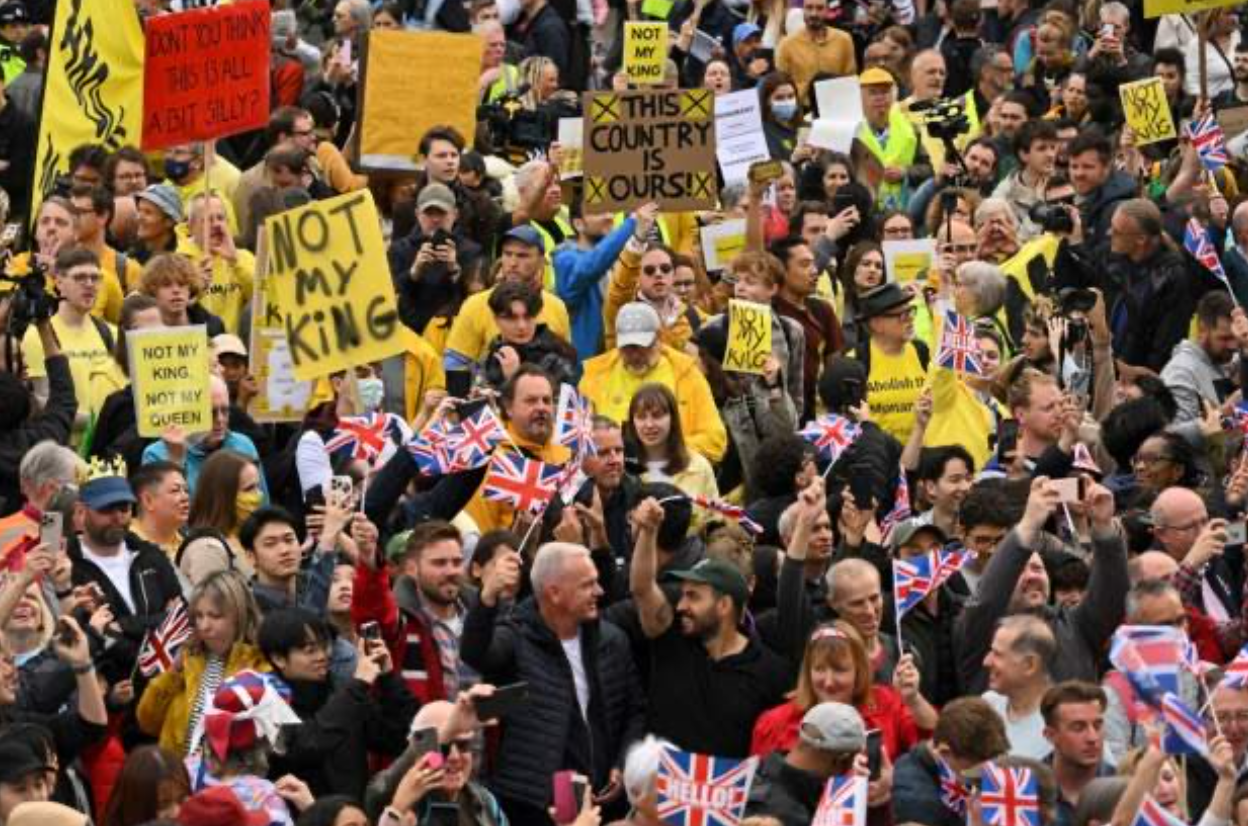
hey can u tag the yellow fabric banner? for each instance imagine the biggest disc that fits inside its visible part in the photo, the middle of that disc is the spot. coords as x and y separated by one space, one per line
93 92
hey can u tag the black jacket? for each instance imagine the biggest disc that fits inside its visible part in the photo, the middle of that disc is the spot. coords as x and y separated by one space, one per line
789 794
551 734
153 583
1098 208
546 350
1153 306
916 791
54 422
442 499
339 726
546 35
436 292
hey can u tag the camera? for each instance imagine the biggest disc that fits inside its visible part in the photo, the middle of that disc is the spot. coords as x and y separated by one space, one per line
32 300
510 130
1052 217
1074 303
943 118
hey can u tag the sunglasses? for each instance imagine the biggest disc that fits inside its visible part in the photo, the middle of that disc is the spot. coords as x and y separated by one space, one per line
463 744
657 269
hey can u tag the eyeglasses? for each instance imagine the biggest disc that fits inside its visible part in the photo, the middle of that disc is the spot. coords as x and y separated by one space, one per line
1226 718
221 412
1188 528
462 744
657 269
84 278
958 249
901 314
1150 458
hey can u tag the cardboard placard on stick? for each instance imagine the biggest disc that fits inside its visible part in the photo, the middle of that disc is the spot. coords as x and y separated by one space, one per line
1156 8
645 51
650 146
413 81
331 283
749 336
169 368
282 397
206 74
1147 111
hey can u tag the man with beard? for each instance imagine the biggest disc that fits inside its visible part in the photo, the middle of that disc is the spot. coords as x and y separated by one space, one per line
639 357
528 407
134 578
1238 94
1197 373
1015 581
816 50
584 705
708 681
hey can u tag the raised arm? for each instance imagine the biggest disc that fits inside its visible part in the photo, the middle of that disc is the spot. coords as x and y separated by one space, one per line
653 609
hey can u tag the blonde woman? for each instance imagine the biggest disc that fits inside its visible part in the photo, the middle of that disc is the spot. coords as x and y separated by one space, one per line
225 618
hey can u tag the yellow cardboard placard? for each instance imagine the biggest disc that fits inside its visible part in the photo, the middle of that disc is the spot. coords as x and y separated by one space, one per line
413 81
331 285
1147 111
269 353
169 369
645 51
728 247
1156 8
749 336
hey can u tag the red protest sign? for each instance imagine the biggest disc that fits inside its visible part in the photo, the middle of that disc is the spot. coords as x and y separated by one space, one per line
206 74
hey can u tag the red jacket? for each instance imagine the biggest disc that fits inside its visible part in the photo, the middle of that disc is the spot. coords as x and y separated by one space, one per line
412 647
776 729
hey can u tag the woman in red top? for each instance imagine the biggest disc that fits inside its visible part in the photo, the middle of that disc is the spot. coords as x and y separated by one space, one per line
835 669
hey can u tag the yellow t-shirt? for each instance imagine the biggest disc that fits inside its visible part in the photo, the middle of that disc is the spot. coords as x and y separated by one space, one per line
90 362
474 327
110 294
231 287
893 386
622 385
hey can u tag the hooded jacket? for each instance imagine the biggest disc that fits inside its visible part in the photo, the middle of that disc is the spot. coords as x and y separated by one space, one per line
1152 309
1098 208
1192 377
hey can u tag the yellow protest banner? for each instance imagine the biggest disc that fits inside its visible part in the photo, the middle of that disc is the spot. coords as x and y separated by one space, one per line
1156 8
749 336
1147 111
411 82
331 284
93 91
645 51
169 369
282 397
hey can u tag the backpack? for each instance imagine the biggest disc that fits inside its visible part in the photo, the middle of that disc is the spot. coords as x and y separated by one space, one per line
106 335
204 533
862 354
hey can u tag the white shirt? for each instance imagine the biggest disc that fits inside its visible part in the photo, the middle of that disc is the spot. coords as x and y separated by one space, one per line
572 650
116 568
1026 733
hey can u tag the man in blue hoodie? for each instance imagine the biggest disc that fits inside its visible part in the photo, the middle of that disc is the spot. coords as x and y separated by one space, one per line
582 266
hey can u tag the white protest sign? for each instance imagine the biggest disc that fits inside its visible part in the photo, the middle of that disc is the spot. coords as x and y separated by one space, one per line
722 242
739 139
909 260
572 143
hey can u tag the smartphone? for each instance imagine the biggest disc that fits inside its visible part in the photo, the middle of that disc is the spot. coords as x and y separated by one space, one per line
1236 533
65 632
841 201
439 238
1068 490
766 54
341 488
766 172
569 792
502 702
874 760
1107 30
51 526
314 497
458 383
424 741
370 631
344 53
442 813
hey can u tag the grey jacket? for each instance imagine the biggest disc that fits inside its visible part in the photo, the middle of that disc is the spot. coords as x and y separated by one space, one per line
1190 374
1081 632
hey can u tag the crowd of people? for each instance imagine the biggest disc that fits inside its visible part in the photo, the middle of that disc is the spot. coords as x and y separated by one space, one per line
339 620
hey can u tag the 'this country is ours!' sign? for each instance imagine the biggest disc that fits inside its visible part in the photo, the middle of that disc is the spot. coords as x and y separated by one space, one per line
650 146
206 74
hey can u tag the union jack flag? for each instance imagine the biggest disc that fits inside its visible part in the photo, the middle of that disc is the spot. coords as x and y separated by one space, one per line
574 422
831 435
1009 796
429 452
160 647
901 505
1150 657
365 437
844 802
1235 673
1083 459
958 348
1238 420
1206 135
702 790
1152 813
525 484
912 581
1185 731
727 509
471 443
953 793
1196 241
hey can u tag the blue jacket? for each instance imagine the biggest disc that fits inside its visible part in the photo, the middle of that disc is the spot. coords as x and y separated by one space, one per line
579 278
197 454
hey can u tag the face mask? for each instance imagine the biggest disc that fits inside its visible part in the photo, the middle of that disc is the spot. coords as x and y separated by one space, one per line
372 390
784 110
245 504
176 170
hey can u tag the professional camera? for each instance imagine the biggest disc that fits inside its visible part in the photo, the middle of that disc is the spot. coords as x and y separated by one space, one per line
1052 217
1074 304
515 132
31 300
943 118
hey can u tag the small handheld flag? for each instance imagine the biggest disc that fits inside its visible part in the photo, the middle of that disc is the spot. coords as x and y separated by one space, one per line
1196 241
161 646
1206 135
525 484
959 351
844 802
831 435
702 790
1185 731
1152 813
1010 796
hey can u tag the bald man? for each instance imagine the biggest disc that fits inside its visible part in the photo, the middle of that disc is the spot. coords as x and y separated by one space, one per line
927 77
854 595
1151 565
1206 578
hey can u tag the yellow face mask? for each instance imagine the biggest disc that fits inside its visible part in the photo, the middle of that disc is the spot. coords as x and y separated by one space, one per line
246 504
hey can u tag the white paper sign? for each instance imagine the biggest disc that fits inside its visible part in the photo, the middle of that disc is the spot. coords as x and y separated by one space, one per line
572 142
739 139
839 98
721 242
905 261
283 390
836 135
703 46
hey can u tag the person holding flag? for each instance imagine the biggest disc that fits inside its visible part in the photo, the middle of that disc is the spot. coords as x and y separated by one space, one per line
1144 803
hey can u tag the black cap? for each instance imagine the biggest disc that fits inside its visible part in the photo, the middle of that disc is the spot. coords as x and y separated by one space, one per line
718 574
880 300
12 11
17 761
